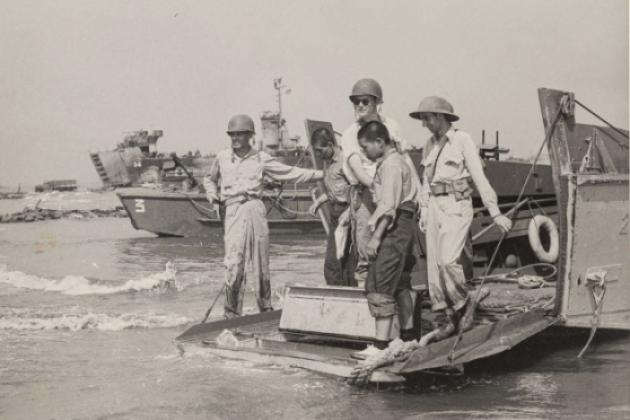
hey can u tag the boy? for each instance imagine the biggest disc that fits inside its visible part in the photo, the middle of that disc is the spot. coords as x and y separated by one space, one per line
393 224
337 272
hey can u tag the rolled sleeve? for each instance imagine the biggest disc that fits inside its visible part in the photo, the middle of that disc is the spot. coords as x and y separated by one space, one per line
475 168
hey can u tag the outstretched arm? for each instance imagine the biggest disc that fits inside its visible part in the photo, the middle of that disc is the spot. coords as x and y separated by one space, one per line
281 172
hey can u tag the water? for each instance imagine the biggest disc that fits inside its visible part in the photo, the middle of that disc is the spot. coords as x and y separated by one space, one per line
89 310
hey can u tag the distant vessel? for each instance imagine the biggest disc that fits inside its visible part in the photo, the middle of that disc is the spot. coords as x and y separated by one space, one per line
136 161
186 213
57 185
11 195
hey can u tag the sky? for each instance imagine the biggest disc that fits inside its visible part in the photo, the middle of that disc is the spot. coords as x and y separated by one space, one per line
76 75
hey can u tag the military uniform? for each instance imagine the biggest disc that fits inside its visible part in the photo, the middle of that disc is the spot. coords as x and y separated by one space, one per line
246 230
451 164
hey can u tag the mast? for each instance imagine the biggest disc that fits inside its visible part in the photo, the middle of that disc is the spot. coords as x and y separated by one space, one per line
277 84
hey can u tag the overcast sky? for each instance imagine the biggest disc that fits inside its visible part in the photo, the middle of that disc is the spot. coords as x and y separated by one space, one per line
76 75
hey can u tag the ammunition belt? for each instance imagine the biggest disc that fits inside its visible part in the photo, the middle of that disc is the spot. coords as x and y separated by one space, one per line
461 188
239 199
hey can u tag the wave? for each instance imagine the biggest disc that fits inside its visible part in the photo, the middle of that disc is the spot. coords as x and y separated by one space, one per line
79 285
26 321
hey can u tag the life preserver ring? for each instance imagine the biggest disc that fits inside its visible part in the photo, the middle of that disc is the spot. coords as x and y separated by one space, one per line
537 223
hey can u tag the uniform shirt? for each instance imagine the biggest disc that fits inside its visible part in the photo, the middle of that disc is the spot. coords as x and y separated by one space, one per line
393 185
337 185
459 159
245 175
350 146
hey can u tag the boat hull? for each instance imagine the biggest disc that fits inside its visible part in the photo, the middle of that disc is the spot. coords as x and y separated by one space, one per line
189 214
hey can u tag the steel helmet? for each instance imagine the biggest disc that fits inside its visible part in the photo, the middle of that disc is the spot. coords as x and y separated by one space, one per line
367 87
434 105
241 122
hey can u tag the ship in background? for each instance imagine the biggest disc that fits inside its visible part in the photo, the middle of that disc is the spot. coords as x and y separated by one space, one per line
276 139
136 161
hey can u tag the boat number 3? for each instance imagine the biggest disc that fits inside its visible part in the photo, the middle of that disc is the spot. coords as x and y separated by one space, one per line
139 208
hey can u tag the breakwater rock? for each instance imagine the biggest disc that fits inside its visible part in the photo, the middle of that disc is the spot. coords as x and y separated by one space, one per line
38 214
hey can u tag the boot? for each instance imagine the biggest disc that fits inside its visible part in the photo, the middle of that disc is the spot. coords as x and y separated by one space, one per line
468 311
448 327
408 335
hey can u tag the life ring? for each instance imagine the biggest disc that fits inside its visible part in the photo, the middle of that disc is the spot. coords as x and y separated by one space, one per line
537 223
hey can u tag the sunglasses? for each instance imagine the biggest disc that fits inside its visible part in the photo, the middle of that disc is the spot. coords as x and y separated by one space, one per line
364 102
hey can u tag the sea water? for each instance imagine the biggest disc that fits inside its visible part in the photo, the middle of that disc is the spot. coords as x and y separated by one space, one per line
89 310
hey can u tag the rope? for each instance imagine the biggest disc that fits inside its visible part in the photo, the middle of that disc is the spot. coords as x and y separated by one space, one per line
598 299
607 123
276 202
201 209
497 306
509 276
529 174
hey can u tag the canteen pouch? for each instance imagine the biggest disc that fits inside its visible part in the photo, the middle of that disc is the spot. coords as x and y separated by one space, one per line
462 189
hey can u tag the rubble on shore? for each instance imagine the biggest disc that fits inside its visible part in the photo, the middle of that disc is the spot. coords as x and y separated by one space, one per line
38 214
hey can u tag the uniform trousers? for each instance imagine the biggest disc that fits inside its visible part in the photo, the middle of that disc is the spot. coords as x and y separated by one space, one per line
246 248
447 232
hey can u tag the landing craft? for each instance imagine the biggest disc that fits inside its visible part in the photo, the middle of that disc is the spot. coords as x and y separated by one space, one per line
187 213
586 286
136 161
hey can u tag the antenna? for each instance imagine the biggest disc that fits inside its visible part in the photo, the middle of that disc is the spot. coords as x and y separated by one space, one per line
277 84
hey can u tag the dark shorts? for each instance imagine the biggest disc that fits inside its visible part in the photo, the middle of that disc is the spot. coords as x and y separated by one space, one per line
386 273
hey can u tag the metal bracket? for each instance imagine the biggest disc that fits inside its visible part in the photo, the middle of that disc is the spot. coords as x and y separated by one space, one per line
595 280
567 104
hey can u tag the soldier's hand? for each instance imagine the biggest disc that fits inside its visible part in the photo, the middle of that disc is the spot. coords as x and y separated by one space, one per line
504 223
317 203
372 248
313 208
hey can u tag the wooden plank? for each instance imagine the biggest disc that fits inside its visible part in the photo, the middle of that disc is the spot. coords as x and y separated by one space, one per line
331 311
289 360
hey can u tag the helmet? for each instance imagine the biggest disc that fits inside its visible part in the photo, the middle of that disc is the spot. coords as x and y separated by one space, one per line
434 105
241 122
367 87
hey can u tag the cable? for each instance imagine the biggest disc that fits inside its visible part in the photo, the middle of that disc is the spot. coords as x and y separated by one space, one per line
607 123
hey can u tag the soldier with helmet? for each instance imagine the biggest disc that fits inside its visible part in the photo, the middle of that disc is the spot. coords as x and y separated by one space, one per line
451 165
367 99
236 180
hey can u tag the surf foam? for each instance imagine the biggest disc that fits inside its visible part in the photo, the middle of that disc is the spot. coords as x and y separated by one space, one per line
28 321
79 285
